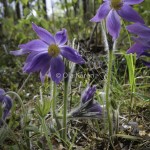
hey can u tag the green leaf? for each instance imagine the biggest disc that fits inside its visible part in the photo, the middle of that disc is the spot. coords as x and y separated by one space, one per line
131 60
3 134
141 96
129 137
24 2
32 128
26 11
43 108
14 147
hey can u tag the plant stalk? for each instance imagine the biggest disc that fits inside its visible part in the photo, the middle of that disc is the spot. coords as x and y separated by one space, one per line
64 133
107 90
46 134
54 99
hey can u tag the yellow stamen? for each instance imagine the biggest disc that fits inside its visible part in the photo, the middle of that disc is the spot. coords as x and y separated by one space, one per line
116 4
53 50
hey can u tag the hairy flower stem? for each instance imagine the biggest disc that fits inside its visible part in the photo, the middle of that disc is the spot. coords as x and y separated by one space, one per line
108 76
24 121
64 134
107 90
54 98
46 133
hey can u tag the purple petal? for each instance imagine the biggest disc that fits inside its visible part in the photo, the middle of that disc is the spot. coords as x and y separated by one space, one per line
31 56
5 114
139 29
8 102
143 41
101 12
57 69
146 63
137 48
71 54
37 62
42 77
19 52
43 72
43 34
132 2
35 45
88 94
2 91
95 108
61 37
145 54
127 13
113 24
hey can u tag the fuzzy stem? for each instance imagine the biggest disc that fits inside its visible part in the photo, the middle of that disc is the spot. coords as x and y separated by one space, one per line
46 134
108 76
107 90
64 134
54 99
25 116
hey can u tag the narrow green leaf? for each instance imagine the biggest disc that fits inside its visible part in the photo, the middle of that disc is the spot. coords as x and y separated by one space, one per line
129 137
142 97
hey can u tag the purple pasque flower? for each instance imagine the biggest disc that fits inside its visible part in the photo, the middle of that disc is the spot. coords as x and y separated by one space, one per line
112 10
45 54
88 93
142 42
5 104
88 108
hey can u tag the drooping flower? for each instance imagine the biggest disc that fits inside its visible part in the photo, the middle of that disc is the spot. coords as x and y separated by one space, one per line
142 42
88 108
5 104
113 10
45 54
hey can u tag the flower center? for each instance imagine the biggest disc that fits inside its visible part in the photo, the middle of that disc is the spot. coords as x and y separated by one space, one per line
116 4
53 50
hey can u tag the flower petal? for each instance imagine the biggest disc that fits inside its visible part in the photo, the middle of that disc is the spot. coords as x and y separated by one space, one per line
132 2
57 69
146 54
43 34
146 63
113 24
101 12
61 37
71 54
43 72
35 45
19 52
127 13
95 107
88 94
137 48
2 91
143 41
139 29
37 62
8 102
